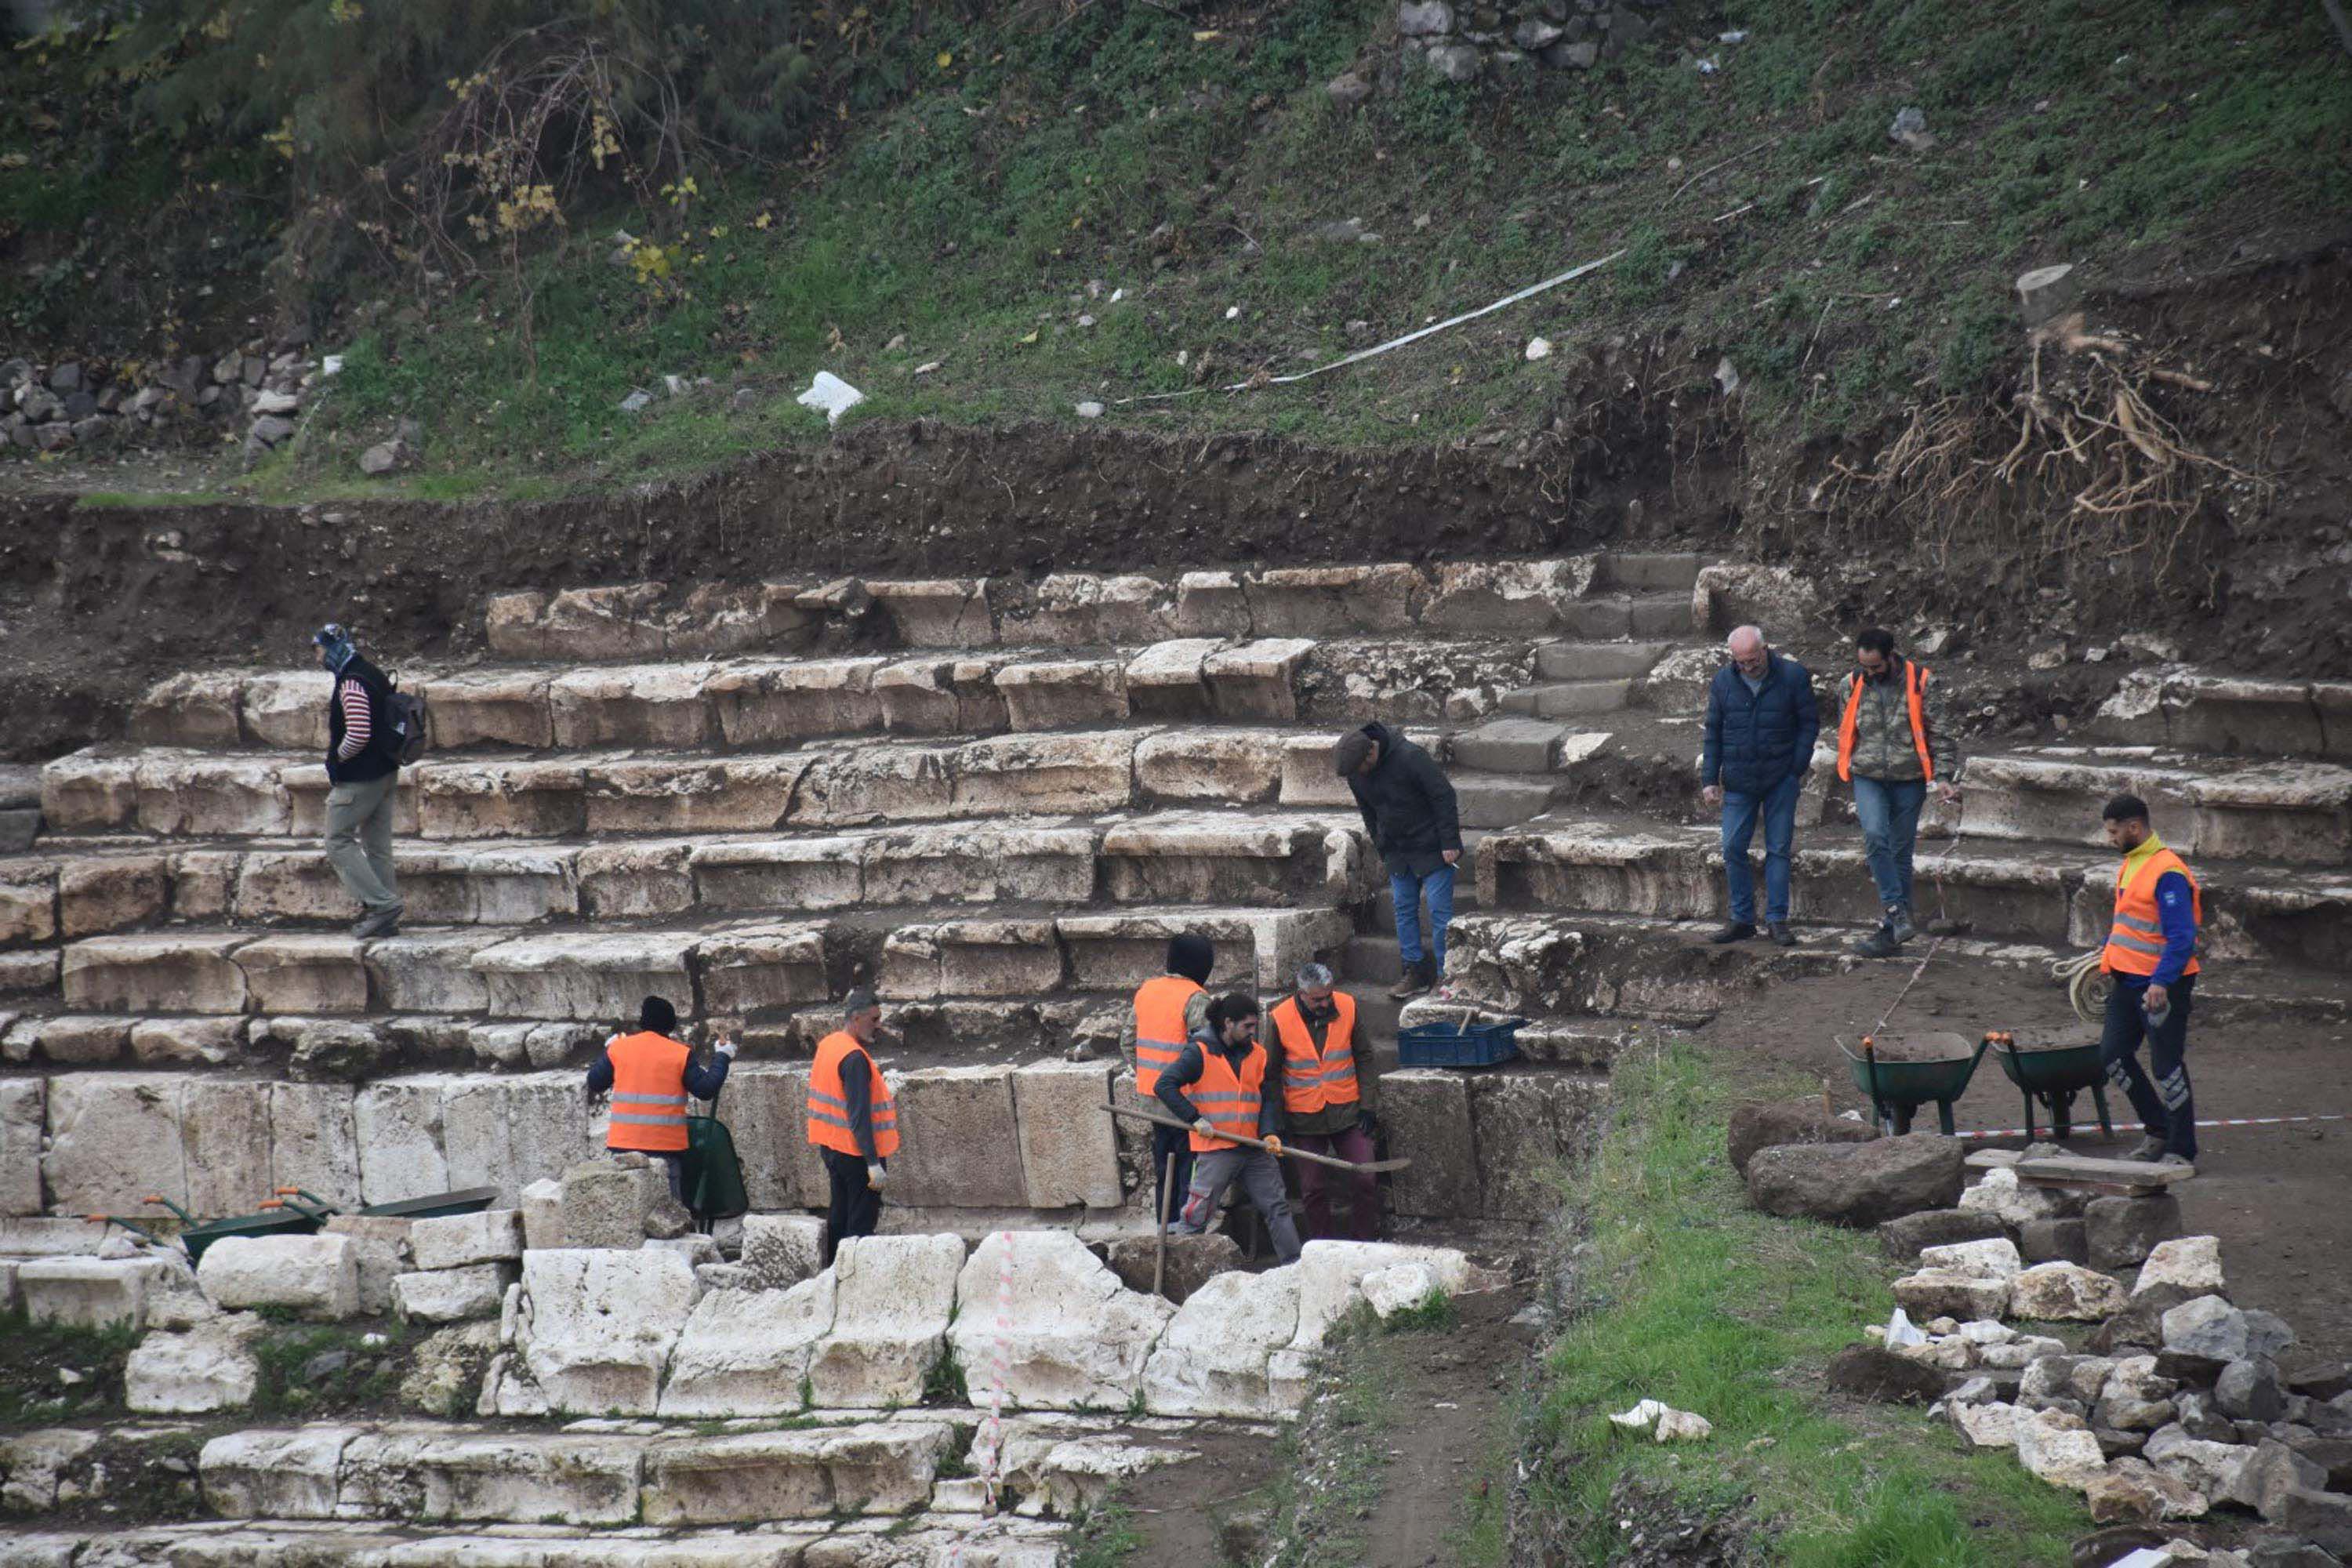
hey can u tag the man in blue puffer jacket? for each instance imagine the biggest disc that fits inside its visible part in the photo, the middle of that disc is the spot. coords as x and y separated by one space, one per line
1761 727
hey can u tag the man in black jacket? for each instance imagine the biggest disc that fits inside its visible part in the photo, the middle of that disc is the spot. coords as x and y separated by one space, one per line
362 775
1410 812
1235 1086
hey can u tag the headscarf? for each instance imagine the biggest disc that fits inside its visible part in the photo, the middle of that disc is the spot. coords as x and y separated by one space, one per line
337 644
1190 955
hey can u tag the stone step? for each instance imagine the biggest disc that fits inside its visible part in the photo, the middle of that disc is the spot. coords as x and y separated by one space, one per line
1513 746
937 1538
1597 660
1644 615
2058 894
1371 960
1569 699
2232 715
1500 800
2295 812
1068 609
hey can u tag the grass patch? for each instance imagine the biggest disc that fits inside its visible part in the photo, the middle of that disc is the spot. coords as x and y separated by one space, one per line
1327 1473
1432 1314
32 1357
1104 1537
945 1383
1695 1298
311 1368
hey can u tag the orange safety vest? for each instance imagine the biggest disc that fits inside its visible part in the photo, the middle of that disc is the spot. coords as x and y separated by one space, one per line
1159 1027
2135 941
828 1101
648 1093
1311 1081
1230 1100
1914 689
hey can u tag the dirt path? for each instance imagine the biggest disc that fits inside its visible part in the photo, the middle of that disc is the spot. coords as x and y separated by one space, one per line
1447 1409
2275 1194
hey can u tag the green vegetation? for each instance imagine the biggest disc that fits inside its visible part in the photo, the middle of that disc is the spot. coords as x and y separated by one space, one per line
944 1383
37 1359
311 1368
1697 1299
1104 1538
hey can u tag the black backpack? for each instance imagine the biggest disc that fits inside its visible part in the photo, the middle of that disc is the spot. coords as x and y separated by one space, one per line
407 711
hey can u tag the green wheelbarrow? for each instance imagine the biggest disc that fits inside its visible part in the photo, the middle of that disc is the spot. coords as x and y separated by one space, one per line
433 1206
2050 1071
196 1235
1903 1072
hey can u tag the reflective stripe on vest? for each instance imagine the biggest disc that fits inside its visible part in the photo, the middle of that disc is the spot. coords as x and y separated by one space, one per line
1231 1100
648 1093
2136 941
1915 693
828 1101
1160 1029
1313 1081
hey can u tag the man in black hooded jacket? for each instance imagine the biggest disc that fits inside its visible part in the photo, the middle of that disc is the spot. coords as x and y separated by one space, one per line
1410 811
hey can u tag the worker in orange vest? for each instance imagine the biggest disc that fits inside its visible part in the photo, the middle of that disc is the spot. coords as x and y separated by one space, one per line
1168 1010
1234 1089
853 1120
651 1076
1893 746
2151 954
1325 1070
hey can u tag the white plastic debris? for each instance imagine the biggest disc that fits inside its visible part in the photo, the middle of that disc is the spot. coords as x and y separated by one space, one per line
1642 1417
1726 376
635 401
928 366
1665 1422
830 395
331 365
1090 410
1707 67
1900 1330
1539 348
1737 35
1232 312
1117 295
676 386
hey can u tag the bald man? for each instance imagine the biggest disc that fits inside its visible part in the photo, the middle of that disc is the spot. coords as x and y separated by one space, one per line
1761 722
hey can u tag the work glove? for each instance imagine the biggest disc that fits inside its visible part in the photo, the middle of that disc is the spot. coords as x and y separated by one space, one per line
726 1048
1368 1124
878 1175
1204 1127
1274 1145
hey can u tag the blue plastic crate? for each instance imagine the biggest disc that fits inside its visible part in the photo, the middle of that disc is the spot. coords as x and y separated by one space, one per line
1463 1045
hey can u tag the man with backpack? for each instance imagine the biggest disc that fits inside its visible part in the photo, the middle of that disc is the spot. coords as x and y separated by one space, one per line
371 730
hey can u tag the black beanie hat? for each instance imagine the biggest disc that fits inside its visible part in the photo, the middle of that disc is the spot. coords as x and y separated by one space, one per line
656 1016
1191 956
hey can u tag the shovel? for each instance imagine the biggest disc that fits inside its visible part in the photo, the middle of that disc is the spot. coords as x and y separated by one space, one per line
1288 1153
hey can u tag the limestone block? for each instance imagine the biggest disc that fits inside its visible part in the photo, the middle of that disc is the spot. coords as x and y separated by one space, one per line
1426 1113
509 1132
1728 595
1262 947
24 1103
873 1468
522 1477
507 884
70 1041
1528 1127
287 708
775 702
212 796
736 795
1985 1426
1008 774
263 1474
782 1249
164 973
1069 1154
379 1251
656 705
1335 601
2002 1194
1505 598
431 971
91 1292
766 1107
847 786
761 967
604 1204
505 799
1331 1272
2065 1292
619 622
42 1237
1399 1289
1949 1292
452 1295
980 863
26 972
112 1139
28 904
398 1133
1046 1323
1170 679
225 1141
1214 1357
89 792
603 1324
489 708
2133 1491
1256 680
2188 1264
1076 609
747 1353
196 708
112 893
308 972
1221 767
2059 1448
936 612
307 788
801 873
455 1241
969 958
2211 1469
209 1367
892 1298
934 695
586 975
1995 1258
1059 694
956 1143
316 1276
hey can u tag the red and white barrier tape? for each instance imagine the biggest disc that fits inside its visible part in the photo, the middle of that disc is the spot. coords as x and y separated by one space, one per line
988 1447
2229 1121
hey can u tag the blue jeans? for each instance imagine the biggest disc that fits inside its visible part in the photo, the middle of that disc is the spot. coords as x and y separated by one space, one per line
1405 890
1778 807
1889 810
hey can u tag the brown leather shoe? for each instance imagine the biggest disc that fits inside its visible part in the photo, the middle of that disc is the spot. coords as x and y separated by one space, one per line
1418 978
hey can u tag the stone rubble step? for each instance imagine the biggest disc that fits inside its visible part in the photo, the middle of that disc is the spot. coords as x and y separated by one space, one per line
1597 660
1647 614
1650 570
2297 812
1499 800
2228 714
1569 699
1512 746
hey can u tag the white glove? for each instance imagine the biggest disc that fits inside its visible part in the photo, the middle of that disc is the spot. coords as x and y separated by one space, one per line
876 1177
726 1048
1205 1128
